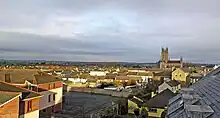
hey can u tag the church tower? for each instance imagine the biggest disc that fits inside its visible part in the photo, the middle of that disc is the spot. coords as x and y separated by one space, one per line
166 55
162 56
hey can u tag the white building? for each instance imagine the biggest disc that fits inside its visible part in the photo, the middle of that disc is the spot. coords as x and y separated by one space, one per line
172 85
75 80
98 73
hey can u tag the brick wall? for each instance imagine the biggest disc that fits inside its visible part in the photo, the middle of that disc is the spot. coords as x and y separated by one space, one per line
49 86
10 110
24 106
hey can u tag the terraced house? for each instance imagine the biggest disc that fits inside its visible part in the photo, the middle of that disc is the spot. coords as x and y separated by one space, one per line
43 84
17 102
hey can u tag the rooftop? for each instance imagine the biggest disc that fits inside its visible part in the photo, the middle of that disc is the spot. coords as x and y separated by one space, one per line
7 96
208 89
160 100
32 76
173 83
26 94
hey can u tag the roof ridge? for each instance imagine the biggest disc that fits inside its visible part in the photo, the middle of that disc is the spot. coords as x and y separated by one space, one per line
20 87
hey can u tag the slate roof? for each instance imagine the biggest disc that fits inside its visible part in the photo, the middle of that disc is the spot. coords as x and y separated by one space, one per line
160 100
208 88
214 72
173 83
6 96
41 79
174 61
26 94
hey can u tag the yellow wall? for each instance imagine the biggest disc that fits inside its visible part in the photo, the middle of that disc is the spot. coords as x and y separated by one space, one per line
132 106
156 114
179 75
91 84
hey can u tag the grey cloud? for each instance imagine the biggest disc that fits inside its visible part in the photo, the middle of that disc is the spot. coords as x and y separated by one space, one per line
125 30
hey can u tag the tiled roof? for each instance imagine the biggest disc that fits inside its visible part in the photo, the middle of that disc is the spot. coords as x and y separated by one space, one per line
132 73
6 96
26 94
32 76
41 79
122 78
166 73
110 76
145 74
160 100
91 80
18 76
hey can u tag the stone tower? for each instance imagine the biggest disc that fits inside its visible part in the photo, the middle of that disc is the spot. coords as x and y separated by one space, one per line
162 56
166 55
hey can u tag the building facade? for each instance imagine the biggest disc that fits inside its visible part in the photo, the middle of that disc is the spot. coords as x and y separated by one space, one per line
166 62
172 85
48 90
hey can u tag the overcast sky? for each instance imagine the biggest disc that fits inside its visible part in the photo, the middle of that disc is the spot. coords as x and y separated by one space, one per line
110 30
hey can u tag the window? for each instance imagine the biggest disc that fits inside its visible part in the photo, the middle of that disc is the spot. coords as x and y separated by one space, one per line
152 110
54 85
49 87
44 110
49 98
29 107
54 97
180 75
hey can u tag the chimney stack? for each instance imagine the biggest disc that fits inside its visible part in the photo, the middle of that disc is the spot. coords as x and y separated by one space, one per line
8 78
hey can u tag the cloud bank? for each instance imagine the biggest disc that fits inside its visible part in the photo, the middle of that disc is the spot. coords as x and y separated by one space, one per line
98 30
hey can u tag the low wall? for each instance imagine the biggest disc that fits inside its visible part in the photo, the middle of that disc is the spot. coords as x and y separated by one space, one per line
99 91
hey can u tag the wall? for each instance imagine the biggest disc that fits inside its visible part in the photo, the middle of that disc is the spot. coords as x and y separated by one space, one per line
163 87
146 78
58 98
97 73
45 87
24 107
179 75
33 114
10 110
156 114
132 106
